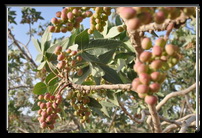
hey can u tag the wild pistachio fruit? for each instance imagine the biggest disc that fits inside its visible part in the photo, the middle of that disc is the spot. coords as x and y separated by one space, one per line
150 99
146 43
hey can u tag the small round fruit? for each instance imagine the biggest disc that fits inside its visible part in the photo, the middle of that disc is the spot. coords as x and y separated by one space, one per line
146 43
136 65
154 87
73 53
151 99
142 88
160 42
51 29
145 56
57 50
135 83
54 21
142 68
61 57
155 76
40 97
144 78
127 12
79 58
120 29
159 17
142 95
133 24
157 51
47 96
156 64
80 72
170 49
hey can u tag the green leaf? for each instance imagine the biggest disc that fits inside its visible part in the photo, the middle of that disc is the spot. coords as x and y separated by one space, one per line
120 64
79 80
35 107
51 79
40 88
94 103
104 110
106 58
114 99
88 57
41 65
128 46
107 104
96 71
39 58
113 32
97 34
100 46
36 44
51 89
118 20
63 43
51 56
72 39
111 75
82 40
45 40
98 111
124 78
97 80
105 31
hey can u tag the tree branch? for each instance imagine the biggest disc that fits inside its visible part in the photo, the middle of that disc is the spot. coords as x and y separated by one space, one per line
161 27
155 118
172 94
131 117
10 35
104 86
186 124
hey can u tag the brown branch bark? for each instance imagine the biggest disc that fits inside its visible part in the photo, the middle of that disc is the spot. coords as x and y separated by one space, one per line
155 118
11 36
104 86
161 27
186 124
173 94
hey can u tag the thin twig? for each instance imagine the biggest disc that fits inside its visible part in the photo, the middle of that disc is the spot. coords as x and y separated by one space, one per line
113 118
11 36
132 117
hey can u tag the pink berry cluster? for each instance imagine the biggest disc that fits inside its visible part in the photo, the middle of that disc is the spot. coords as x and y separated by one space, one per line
134 17
68 60
150 66
49 107
69 18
